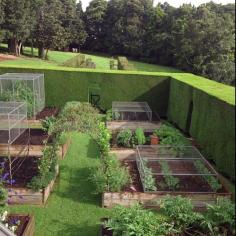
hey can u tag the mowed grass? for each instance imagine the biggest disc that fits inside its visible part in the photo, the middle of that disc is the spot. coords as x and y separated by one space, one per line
73 209
57 58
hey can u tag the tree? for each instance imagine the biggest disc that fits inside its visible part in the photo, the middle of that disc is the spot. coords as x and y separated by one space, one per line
2 3
17 23
94 18
49 32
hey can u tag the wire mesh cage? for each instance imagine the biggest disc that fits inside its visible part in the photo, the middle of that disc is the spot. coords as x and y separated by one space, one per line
131 111
13 121
24 87
173 168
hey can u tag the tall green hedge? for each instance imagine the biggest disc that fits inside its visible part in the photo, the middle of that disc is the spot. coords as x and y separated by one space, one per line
212 121
66 85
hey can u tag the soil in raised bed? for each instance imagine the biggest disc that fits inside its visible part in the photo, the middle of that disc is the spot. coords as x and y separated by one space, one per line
186 183
24 220
135 185
23 170
47 112
32 137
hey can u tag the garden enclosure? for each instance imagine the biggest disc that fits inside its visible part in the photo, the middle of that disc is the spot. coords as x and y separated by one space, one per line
175 168
24 87
13 117
131 111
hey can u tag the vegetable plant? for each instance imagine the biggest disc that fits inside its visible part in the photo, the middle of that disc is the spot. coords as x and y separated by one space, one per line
103 139
110 176
125 138
212 180
138 222
148 179
139 137
171 181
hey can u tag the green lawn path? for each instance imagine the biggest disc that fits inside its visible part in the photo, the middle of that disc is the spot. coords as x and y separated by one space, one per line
72 209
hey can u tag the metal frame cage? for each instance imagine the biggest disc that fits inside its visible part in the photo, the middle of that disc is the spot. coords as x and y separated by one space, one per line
131 111
183 162
13 121
24 87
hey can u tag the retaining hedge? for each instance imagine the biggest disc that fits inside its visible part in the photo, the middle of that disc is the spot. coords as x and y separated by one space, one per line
70 84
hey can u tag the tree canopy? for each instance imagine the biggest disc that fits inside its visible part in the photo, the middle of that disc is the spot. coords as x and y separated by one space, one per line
195 39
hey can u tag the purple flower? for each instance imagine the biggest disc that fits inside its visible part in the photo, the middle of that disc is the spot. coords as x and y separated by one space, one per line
2 164
5 176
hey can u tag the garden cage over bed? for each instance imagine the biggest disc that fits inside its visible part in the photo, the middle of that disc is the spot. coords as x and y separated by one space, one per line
131 111
24 87
13 121
175 169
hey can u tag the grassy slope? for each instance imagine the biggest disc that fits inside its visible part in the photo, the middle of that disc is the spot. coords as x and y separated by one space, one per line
72 209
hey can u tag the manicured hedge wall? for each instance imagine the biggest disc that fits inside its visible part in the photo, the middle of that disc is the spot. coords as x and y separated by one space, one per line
67 85
212 120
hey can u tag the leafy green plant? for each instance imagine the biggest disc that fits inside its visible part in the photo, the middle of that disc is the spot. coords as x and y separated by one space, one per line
171 181
212 180
47 123
220 218
46 169
109 115
125 138
181 211
170 136
103 139
148 179
139 137
3 195
137 221
110 176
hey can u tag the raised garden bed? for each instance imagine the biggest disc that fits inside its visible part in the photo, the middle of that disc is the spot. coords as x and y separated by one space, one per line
46 112
31 142
25 224
23 170
193 187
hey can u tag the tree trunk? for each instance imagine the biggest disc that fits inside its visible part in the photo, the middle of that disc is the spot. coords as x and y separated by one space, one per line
12 46
41 52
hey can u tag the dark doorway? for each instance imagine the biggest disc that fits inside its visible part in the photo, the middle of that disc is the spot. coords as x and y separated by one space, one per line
189 118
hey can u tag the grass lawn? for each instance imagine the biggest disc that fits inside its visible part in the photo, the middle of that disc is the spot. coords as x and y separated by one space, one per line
72 209
56 58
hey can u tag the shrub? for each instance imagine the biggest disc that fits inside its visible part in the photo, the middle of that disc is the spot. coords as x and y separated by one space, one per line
103 139
137 221
125 138
110 176
220 218
180 211
47 169
3 195
139 137
47 123
123 64
109 115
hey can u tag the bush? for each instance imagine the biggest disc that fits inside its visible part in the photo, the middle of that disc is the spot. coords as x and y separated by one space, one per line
123 64
110 176
139 137
125 138
103 139
137 221
220 218
180 211
47 169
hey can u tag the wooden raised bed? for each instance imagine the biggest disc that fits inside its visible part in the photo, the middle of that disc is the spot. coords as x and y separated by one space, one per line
27 196
27 226
35 148
133 194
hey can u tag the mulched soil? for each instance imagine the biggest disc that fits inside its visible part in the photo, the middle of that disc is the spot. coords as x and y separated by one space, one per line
47 112
186 184
35 137
135 185
23 170
24 220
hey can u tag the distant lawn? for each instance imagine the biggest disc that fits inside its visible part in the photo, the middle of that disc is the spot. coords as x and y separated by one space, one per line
56 58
